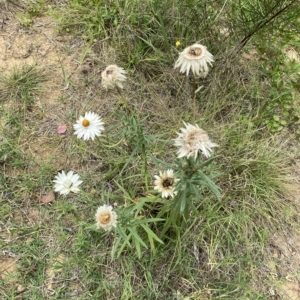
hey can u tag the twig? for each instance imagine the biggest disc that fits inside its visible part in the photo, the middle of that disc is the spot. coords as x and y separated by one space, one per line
245 40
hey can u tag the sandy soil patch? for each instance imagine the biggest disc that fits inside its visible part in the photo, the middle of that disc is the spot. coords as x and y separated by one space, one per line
8 268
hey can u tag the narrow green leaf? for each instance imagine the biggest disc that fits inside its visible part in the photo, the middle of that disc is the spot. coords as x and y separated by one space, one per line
151 241
207 162
183 201
123 190
138 247
123 235
136 236
145 221
130 158
151 233
159 161
123 246
115 247
210 184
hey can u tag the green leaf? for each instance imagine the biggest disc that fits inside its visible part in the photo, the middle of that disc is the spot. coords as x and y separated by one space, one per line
123 190
283 122
145 221
151 241
210 184
151 233
280 128
115 247
157 161
286 113
207 162
151 237
138 207
136 237
123 246
122 237
130 158
122 234
92 228
137 247
183 202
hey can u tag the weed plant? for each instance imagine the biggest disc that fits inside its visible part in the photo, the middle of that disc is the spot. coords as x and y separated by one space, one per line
205 237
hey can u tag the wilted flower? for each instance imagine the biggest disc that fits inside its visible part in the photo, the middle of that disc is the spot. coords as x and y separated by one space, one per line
106 218
89 126
113 76
195 58
165 183
193 139
66 183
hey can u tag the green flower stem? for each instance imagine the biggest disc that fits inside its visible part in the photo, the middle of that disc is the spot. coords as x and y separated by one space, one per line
123 101
194 88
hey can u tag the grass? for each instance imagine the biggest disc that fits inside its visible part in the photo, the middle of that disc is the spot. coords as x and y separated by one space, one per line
215 251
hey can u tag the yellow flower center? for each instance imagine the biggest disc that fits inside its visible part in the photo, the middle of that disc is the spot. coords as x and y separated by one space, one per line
85 123
177 43
104 218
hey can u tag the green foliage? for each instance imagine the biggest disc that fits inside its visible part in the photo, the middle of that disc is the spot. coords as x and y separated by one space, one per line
92 19
250 18
135 229
22 84
144 40
280 81
191 192
33 10
10 153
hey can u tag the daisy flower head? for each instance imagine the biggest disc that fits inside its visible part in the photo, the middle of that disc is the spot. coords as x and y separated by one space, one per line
165 183
195 58
113 76
106 218
89 126
193 139
66 183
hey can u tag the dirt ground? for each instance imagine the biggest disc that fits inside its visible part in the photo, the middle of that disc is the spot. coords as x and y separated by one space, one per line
61 56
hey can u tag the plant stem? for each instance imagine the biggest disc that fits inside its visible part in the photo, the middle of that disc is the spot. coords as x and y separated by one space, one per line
123 101
194 87
259 26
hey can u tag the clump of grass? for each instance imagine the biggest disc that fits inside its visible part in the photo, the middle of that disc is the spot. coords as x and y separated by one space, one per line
10 152
21 85
18 90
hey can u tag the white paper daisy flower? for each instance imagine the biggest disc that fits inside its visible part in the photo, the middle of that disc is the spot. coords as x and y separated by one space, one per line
165 183
89 126
193 139
106 218
194 58
66 183
113 76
